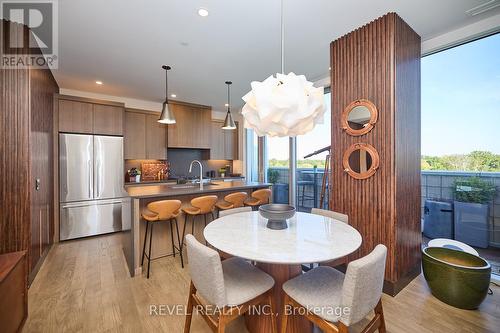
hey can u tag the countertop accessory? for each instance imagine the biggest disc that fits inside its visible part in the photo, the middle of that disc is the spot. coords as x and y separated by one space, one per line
167 115
276 215
201 171
229 122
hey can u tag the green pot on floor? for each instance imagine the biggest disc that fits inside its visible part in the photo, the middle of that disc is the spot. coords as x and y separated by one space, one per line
455 277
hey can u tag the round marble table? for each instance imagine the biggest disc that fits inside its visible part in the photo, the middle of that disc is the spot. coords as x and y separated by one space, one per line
309 238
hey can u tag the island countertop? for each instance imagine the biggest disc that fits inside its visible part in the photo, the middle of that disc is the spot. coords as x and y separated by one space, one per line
175 190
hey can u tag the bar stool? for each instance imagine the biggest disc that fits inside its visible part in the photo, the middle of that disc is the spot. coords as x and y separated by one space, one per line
232 200
164 210
304 197
259 197
200 206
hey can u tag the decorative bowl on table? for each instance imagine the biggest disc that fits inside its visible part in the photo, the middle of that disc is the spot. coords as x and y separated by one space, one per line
276 215
455 277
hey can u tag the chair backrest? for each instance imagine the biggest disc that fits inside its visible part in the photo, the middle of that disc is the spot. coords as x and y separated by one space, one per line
363 284
234 211
205 268
237 198
165 209
206 203
331 214
262 195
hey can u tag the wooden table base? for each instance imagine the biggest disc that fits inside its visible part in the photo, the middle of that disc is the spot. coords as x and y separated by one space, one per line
261 323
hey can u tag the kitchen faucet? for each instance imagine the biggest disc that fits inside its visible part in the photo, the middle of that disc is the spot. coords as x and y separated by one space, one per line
201 172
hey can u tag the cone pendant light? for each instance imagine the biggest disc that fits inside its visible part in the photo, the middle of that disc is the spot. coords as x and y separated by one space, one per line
167 116
229 122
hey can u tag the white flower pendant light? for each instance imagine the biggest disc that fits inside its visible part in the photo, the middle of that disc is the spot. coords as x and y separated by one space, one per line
283 105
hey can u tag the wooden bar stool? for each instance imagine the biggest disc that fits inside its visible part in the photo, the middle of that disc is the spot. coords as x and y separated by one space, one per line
200 206
232 200
164 210
259 197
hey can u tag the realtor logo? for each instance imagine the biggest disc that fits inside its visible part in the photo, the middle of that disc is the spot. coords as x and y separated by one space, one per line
21 47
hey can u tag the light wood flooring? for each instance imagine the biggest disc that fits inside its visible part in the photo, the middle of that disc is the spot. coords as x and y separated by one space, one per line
84 286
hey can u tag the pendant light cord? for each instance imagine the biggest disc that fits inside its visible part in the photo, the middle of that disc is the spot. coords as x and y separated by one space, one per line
282 40
228 98
166 85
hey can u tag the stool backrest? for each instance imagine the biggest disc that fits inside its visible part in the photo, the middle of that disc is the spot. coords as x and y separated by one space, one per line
205 268
262 195
206 203
237 198
331 214
363 284
165 209
234 211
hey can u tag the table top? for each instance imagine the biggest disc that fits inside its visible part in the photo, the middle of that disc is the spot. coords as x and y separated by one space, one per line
309 238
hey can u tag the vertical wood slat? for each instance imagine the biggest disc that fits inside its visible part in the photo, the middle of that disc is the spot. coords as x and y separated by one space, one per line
380 62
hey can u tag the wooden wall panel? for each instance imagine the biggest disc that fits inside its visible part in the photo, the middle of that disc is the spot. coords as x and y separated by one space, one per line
364 65
15 151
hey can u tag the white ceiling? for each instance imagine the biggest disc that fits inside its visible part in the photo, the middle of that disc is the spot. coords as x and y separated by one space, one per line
124 42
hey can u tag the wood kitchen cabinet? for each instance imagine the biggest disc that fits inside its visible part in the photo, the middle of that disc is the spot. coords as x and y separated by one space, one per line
87 116
223 143
192 128
13 291
144 137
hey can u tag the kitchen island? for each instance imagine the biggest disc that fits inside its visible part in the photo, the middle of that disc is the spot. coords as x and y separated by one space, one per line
139 197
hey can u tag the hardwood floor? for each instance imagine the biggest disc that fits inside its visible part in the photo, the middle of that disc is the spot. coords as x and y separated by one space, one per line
83 286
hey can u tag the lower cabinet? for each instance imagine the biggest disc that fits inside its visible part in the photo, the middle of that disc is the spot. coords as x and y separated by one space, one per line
144 137
13 291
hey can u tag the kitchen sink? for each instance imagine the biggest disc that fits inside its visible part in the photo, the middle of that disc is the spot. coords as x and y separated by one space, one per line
184 186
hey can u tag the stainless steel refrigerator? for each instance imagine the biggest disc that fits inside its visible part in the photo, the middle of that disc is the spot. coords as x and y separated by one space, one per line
90 185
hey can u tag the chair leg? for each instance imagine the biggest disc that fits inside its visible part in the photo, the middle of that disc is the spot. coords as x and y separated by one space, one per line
144 245
274 324
221 327
190 307
150 242
184 230
380 311
284 314
179 242
213 215
205 221
193 219
172 237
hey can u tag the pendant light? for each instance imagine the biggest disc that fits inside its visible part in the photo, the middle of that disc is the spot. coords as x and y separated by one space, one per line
167 116
283 105
229 122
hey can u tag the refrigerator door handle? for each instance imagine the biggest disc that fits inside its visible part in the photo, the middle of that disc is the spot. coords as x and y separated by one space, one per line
98 179
90 178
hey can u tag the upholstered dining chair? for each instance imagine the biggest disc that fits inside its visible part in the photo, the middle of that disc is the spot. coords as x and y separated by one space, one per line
232 200
334 301
232 287
334 215
331 214
234 211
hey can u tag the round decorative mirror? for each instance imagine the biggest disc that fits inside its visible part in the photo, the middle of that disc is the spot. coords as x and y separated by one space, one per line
361 160
359 117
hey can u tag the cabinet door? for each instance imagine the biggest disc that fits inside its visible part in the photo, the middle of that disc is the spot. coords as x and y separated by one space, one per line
231 144
135 136
192 128
108 119
75 117
217 141
156 138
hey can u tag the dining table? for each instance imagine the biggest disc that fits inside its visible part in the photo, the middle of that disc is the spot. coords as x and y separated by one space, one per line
308 238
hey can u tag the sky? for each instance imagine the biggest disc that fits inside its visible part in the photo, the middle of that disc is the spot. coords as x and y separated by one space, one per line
460 104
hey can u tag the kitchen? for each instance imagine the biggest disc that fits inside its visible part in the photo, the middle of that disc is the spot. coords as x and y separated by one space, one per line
164 159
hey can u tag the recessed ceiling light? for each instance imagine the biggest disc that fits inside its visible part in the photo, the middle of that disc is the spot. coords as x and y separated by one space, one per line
173 95
202 12
98 82
329 68
226 105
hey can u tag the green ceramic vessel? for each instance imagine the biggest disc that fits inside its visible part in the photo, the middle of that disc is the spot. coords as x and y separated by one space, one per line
457 278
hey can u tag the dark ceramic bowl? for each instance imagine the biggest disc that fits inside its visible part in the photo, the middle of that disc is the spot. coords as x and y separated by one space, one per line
276 215
455 277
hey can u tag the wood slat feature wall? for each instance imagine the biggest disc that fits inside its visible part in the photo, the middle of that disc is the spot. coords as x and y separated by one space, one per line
381 62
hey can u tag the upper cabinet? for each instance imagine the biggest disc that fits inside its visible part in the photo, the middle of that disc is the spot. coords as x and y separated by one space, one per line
223 143
144 137
86 116
192 128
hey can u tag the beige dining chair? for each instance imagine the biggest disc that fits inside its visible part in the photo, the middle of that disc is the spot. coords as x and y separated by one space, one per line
226 212
331 214
334 301
232 287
